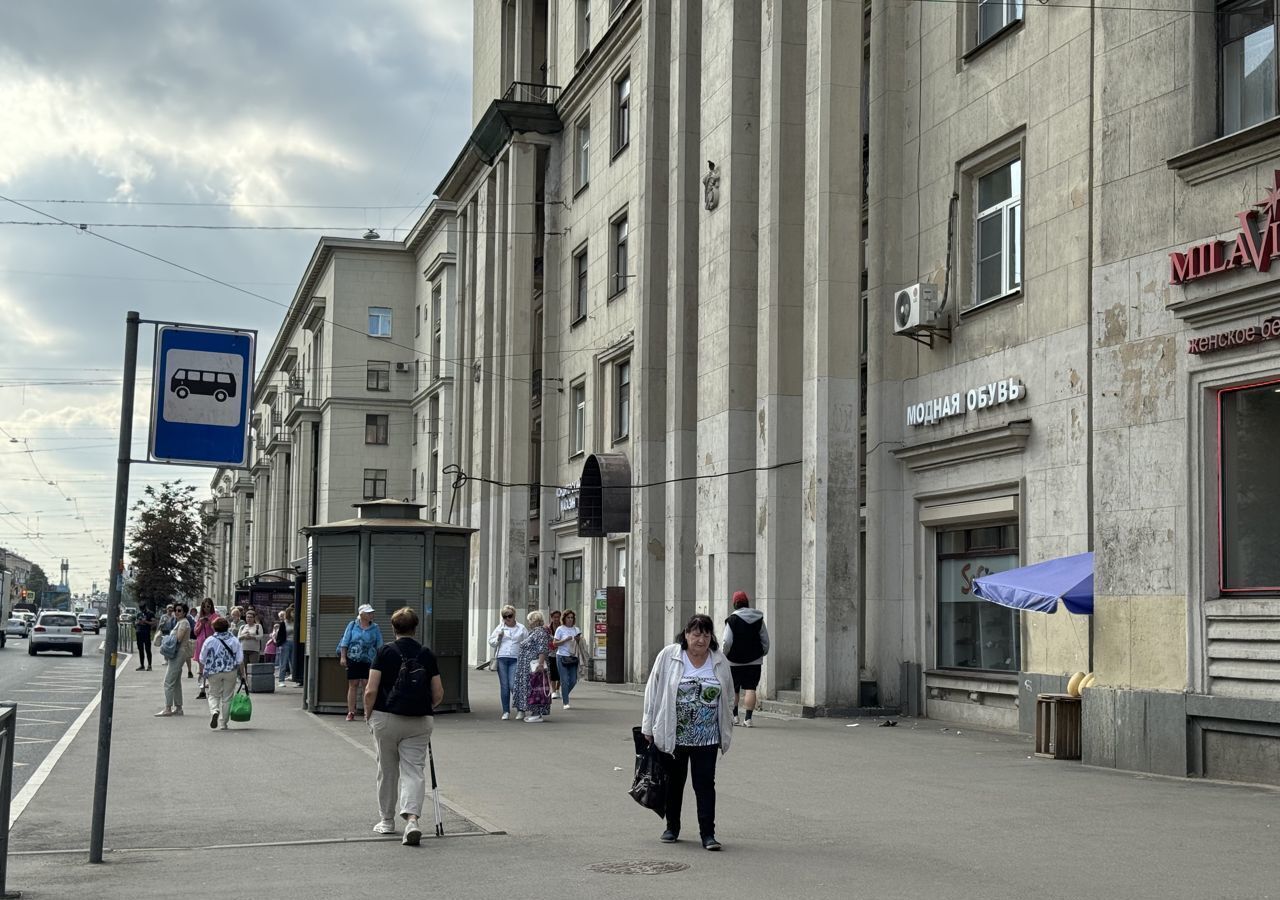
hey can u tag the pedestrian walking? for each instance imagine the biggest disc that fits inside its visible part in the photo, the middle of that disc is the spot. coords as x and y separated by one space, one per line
283 638
745 643
553 668
505 641
201 632
533 688
686 715
222 662
182 646
250 637
142 627
356 650
403 688
567 644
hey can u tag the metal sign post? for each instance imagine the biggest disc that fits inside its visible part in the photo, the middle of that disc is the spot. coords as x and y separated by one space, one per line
115 576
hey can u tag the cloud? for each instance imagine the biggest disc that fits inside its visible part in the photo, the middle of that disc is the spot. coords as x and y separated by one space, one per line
23 328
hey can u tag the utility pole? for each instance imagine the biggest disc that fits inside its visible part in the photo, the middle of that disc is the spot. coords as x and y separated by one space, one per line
114 584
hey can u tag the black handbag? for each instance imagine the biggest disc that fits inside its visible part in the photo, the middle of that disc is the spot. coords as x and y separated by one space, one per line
649 787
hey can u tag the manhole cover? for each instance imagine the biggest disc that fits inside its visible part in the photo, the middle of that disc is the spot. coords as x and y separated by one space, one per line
637 867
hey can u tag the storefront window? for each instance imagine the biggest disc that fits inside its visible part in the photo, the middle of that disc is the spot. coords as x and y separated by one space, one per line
1249 485
973 633
573 583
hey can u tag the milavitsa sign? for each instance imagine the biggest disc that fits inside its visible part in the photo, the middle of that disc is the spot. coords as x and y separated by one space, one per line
1255 246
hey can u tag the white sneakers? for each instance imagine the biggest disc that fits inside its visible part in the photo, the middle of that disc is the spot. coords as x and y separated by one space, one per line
412 834
506 716
519 716
737 721
747 723
566 706
555 695
533 719
386 826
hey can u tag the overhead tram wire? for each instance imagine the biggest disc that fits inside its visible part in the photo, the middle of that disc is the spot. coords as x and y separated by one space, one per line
249 293
460 478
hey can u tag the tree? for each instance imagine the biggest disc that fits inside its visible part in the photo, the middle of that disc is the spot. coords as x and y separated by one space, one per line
166 544
37 583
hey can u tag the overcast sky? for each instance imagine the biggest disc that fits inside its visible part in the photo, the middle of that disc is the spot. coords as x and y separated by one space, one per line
315 114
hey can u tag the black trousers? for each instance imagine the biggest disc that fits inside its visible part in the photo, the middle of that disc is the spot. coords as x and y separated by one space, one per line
702 760
144 650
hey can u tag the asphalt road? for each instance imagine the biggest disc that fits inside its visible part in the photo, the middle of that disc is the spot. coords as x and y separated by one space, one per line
51 690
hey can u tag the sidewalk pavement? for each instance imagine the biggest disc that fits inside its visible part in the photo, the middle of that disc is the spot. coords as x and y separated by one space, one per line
284 806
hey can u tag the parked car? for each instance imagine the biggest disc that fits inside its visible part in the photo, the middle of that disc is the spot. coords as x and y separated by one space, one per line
56 631
18 626
88 621
102 621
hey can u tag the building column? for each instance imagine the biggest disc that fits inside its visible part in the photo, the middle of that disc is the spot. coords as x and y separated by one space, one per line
682 314
300 493
833 251
727 312
780 406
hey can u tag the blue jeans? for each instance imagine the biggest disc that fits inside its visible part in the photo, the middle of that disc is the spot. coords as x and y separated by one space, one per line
568 666
506 678
284 660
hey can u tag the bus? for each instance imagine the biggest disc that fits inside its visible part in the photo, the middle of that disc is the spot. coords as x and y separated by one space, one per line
218 385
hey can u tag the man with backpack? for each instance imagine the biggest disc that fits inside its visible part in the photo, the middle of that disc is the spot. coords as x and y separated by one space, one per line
403 688
745 643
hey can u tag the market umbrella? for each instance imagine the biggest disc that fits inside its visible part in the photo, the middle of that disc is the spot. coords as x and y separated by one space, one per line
1040 587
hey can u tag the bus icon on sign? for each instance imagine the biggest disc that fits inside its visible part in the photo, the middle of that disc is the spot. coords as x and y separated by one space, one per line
218 385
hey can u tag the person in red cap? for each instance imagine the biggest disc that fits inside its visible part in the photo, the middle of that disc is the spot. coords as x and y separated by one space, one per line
745 643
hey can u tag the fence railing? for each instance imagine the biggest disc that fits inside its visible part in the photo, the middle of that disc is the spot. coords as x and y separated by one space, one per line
8 736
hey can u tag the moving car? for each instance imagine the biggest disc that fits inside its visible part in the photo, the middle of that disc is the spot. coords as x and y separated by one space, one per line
18 626
88 621
56 631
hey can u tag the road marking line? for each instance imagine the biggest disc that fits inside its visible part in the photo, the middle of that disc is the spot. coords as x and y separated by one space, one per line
39 776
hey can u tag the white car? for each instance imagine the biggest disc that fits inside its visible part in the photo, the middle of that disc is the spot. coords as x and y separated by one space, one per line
56 631
18 626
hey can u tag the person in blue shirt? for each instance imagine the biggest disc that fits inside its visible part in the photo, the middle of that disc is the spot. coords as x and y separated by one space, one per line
360 643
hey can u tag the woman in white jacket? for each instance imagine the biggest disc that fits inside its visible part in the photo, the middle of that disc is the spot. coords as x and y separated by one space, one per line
506 640
688 715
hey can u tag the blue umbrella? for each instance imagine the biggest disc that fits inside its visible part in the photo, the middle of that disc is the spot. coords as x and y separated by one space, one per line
1040 587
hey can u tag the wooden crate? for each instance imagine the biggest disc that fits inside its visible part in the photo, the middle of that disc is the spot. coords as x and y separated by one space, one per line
1058 726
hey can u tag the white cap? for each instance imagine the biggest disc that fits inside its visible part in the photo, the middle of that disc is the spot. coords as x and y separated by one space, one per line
364 608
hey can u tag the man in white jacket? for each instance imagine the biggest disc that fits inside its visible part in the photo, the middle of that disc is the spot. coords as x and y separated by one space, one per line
745 643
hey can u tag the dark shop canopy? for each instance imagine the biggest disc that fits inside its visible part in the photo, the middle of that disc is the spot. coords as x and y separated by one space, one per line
1040 587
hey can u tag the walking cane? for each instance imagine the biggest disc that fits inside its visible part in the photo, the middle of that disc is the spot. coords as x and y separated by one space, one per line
435 792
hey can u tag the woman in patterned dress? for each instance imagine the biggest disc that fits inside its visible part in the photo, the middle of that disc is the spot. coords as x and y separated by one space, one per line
203 631
688 715
533 652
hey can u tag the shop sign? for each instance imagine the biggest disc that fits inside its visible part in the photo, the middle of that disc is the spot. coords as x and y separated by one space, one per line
997 393
1235 337
567 497
1254 246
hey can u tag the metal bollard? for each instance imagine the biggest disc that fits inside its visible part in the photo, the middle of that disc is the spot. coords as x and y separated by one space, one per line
8 732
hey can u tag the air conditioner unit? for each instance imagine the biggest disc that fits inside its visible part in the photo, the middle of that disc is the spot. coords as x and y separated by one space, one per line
402 367
915 308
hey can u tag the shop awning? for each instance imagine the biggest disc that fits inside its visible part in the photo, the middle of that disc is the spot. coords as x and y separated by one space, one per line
1040 587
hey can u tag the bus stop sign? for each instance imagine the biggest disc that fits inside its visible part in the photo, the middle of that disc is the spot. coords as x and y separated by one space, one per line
202 382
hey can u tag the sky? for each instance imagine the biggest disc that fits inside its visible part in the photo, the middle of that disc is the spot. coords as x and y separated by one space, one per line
274 122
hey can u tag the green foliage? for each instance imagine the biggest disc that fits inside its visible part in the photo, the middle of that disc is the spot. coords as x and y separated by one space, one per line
37 581
166 544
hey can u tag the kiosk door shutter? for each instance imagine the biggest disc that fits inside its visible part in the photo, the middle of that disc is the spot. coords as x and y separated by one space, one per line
449 615
337 581
395 578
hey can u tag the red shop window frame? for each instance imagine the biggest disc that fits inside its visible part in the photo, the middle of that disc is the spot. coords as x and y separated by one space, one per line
1222 581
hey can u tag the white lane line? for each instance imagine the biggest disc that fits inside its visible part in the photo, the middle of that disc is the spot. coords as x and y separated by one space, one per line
41 774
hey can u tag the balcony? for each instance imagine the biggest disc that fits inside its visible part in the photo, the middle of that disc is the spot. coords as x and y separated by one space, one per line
524 108
531 92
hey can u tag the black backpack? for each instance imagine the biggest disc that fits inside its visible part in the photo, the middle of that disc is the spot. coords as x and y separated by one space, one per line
412 688
747 646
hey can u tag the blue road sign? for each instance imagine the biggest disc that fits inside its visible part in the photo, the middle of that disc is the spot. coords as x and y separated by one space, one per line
201 394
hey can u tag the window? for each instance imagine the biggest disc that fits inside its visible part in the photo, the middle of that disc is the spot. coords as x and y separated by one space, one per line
578 418
995 15
380 321
375 429
582 153
375 484
573 583
1248 488
618 262
622 400
621 112
417 374
413 484
437 334
973 633
1247 62
415 429
417 320
580 284
378 376
433 415
584 27
998 233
